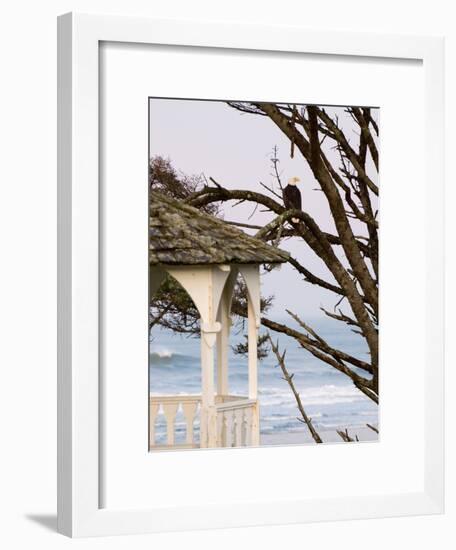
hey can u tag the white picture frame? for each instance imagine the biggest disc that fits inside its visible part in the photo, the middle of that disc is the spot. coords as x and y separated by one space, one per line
80 510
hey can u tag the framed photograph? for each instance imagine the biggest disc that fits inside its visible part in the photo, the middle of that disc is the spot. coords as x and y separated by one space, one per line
250 275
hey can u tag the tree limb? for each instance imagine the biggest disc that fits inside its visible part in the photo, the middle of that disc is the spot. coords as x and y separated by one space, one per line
289 379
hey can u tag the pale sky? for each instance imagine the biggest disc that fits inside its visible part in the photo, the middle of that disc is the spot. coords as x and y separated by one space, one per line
211 138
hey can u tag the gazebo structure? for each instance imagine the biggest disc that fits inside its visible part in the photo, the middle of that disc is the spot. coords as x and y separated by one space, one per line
206 255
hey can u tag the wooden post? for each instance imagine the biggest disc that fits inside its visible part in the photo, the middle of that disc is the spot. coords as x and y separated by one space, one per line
223 338
208 427
251 276
253 354
253 371
205 285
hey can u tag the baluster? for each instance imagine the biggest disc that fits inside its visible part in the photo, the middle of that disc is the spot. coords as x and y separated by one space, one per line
248 425
255 425
189 410
220 425
244 428
239 415
170 410
229 415
153 411
203 427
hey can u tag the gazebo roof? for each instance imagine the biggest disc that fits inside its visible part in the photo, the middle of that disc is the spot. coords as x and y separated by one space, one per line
180 234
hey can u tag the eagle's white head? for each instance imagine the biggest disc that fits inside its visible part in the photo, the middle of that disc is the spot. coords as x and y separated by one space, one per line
294 180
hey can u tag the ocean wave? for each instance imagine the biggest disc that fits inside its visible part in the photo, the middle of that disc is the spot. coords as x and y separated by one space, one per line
280 420
166 355
163 353
328 394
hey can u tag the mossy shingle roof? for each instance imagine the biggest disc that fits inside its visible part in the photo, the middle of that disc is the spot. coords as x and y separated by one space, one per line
182 235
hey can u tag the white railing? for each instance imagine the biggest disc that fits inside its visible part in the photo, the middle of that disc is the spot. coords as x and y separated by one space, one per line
236 422
236 419
169 406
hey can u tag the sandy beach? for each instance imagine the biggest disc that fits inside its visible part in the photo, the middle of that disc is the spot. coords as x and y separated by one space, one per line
328 436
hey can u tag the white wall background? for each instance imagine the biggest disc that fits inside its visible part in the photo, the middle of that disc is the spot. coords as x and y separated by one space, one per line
28 267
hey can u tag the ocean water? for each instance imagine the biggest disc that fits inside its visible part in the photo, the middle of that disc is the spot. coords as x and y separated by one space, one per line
329 397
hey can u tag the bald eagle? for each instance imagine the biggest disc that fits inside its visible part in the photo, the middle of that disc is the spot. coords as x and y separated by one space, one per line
292 196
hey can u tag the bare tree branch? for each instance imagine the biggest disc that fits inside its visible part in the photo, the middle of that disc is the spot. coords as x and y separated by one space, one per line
373 428
345 437
336 133
289 379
